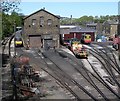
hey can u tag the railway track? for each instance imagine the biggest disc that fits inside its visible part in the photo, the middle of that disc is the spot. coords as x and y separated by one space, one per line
91 78
94 74
99 86
5 55
109 60
8 89
6 72
67 79
109 66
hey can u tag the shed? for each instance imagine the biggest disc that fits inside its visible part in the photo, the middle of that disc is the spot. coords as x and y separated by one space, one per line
76 32
41 29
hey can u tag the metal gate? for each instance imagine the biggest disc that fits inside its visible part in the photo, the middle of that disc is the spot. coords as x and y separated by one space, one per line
35 41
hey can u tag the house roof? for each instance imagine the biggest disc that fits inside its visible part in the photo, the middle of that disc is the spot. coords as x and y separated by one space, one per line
92 24
111 22
82 29
40 11
75 29
67 26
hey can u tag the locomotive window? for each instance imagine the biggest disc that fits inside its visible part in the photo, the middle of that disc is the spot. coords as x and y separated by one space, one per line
18 39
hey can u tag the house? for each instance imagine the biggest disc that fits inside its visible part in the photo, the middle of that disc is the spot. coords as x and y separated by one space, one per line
110 28
92 25
41 29
96 26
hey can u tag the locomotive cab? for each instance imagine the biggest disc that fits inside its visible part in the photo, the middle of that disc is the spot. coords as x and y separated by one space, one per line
18 42
86 39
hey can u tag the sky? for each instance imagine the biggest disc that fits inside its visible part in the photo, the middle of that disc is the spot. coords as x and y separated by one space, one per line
74 8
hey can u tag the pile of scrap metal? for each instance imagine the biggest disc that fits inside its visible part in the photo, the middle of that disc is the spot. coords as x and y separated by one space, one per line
22 76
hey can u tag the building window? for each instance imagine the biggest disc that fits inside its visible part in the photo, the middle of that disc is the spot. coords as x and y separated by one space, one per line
49 22
41 21
33 22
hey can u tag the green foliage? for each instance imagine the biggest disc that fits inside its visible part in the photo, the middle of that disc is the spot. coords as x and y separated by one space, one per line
10 6
9 17
9 22
65 21
87 19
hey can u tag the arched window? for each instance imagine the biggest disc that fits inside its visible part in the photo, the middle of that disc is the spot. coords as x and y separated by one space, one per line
49 22
33 22
41 21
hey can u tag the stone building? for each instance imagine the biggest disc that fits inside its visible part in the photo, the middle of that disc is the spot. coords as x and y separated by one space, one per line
95 26
41 29
110 28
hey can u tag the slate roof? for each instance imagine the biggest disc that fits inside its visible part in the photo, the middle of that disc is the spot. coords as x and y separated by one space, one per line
92 24
111 22
76 29
40 11
82 29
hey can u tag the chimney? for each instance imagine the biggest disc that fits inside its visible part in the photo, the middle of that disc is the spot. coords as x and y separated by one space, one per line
70 19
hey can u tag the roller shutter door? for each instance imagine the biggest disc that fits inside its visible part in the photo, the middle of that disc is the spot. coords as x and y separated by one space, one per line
35 41
48 44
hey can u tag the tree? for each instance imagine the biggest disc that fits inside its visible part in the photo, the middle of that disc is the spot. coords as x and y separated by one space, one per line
9 6
9 17
85 19
9 22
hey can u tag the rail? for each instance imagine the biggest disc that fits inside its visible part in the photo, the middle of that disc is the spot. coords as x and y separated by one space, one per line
99 78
